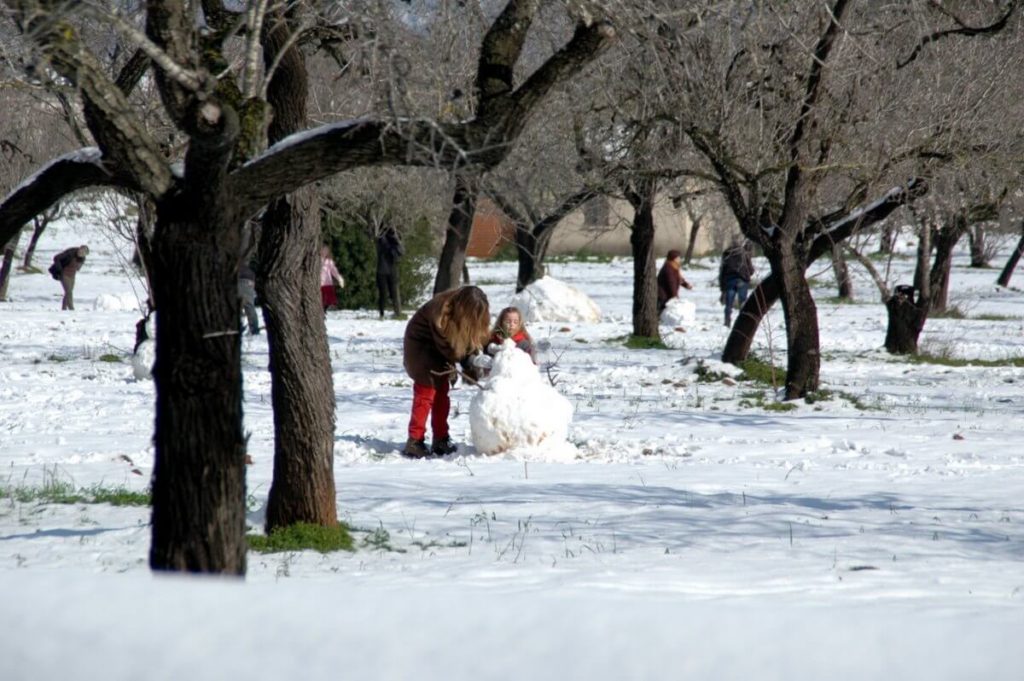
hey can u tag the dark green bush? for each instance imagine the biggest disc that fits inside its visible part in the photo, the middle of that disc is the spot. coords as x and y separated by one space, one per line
355 254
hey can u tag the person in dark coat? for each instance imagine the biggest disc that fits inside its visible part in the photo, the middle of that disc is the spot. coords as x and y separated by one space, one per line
670 279
447 330
247 292
389 250
734 273
64 268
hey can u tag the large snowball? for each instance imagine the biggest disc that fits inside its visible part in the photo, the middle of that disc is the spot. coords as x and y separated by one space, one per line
550 300
119 302
678 312
519 412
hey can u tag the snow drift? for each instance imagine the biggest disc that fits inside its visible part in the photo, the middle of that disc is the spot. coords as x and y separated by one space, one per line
550 300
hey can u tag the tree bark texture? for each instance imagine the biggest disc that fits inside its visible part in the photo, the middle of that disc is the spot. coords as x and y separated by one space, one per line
692 243
460 223
641 239
844 283
302 388
198 520
945 240
8 265
38 227
741 338
977 235
801 315
1011 263
906 321
529 259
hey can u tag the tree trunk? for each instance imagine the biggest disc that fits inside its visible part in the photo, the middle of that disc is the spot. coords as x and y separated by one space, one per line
8 265
945 240
976 234
801 315
39 224
760 300
288 277
887 238
645 285
691 244
198 520
460 223
531 268
1011 263
842 273
906 320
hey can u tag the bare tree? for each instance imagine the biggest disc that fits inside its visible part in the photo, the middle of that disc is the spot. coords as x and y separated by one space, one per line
797 157
1011 262
201 212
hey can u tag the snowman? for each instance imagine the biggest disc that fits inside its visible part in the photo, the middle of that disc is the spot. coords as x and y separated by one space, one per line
518 412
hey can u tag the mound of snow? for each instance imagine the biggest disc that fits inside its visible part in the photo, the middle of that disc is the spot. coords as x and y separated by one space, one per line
119 302
518 412
550 300
678 312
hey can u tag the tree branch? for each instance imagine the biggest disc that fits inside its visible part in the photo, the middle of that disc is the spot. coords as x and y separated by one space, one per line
962 29
62 176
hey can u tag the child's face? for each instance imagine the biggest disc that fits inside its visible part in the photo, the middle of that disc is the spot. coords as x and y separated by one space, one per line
511 323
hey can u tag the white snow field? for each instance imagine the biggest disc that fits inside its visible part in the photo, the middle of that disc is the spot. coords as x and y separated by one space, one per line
699 532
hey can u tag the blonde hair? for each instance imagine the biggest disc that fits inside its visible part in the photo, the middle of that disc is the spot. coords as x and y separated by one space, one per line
500 329
465 320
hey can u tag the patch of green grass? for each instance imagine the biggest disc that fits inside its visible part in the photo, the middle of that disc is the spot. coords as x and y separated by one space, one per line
302 537
951 312
55 491
988 317
120 496
582 256
943 360
706 375
836 300
779 406
58 358
759 371
645 343
109 357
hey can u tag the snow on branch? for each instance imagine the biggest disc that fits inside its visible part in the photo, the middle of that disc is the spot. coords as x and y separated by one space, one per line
58 178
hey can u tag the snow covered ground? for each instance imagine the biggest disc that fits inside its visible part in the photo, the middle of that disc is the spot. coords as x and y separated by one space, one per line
700 533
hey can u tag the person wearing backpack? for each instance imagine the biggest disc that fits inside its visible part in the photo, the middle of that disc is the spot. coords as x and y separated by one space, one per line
64 268
734 273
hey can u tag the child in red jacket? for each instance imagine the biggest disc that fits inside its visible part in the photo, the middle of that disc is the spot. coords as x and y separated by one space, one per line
510 325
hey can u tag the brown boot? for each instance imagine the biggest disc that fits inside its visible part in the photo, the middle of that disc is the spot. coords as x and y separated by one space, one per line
415 449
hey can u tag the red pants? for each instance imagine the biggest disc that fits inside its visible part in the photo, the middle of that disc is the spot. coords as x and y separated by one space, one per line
433 400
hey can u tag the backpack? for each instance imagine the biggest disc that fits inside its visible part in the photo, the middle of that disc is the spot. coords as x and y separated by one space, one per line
55 270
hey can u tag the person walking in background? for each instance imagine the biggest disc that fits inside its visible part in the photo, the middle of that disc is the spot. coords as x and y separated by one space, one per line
449 329
64 268
734 275
247 292
329 276
670 278
510 325
389 250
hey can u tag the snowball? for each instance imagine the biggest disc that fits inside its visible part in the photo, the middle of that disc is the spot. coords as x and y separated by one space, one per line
550 300
116 302
518 411
677 312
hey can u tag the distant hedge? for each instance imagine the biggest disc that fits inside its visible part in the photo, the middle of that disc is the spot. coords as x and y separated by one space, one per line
354 248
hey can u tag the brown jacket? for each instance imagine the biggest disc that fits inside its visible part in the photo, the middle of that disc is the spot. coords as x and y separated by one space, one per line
669 281
424 349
